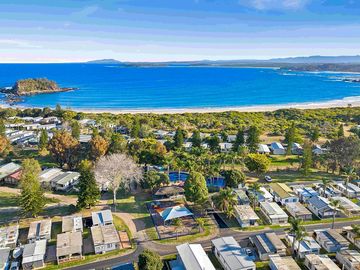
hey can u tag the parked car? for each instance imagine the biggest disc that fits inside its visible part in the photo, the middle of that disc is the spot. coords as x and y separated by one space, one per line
268 178
15 266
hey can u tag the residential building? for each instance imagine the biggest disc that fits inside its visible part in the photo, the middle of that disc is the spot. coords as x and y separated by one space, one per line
349 208
33 255
296 149
318 150
268 244
319 262
47 175
69 246
105 238
231 255
245 215
102 218
263 149
4 258
320 206
282 193
282 263
72 224
306 246
7 170
9 236
352 236
305 193
273 213
243 199
64 181
264 195
191 257
39 230
350 190
225 147
331 240
277 148
348 259
329 192
297 210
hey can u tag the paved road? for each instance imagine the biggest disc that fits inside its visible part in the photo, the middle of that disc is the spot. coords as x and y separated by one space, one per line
240 236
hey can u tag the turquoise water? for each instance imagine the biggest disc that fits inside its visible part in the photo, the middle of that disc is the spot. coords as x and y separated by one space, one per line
117 87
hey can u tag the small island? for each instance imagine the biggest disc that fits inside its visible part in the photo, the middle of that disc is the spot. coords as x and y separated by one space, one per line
31 86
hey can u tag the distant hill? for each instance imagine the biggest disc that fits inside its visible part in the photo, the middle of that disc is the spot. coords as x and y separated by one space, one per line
318 59
104 61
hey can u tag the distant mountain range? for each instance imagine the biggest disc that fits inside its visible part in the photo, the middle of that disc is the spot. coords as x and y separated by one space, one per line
310 63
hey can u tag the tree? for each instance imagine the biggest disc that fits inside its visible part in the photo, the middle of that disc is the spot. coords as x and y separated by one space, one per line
344 152
43 140
307 158
295 224
257 163
115 170
64 148
225 201
234 178
340 131
149 260
253 139
315 134
255 190
5 146
117 144
135 131
179 138
98 147
196 139
336 206
213 143
75 130
239 140
325 184
300 235
89 192
177 223
154 180
195 188
32 199
291 136
350 175
2 128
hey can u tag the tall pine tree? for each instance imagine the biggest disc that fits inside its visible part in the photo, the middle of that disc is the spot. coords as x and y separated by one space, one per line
32 199
253 139
43 140
89 192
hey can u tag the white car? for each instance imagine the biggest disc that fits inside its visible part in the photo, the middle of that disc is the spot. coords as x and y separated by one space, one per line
268 178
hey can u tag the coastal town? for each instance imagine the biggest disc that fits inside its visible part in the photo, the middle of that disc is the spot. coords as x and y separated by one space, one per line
80 194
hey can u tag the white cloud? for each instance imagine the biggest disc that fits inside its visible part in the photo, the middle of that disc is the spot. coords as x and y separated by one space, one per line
18 43
275 4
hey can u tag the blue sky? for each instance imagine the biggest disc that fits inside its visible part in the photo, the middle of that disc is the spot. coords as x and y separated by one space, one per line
163 30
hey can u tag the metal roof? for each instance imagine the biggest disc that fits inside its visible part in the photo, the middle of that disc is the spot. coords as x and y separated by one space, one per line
194 257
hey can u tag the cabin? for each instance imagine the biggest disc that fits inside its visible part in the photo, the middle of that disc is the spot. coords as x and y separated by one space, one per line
225 147
245 215
9 236
331 240
102 218
263 149
319 262
64 181
350 190
39 230
348 259
10 173
105 238
277 148
307 246
191 257
273 213
282 193
349 208
297 210
243 199
320 207
282 263
34 255
296 149
231 255
167 192
72 223
267 244
318 150
305 193
69 246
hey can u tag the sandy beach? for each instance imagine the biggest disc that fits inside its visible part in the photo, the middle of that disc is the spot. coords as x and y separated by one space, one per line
341 103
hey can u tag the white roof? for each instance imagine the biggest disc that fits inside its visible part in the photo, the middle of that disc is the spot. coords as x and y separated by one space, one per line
194 257
34 252
307 245
347 204
321 262
277 145
263 148
101 217
231 252
225 145
273 210
245 212
48 174
265 193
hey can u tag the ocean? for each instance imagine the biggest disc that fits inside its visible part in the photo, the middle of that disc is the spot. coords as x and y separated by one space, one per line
114 87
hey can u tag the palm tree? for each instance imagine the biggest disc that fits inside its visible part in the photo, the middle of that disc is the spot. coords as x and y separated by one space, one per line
201 222
295 224
336 205
300 236
255 189
350 175
177 223
355 229
225 201
325 184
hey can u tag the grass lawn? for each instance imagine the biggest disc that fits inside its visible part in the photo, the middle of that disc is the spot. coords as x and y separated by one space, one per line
45 161
8 199
298 176
284 161
262 265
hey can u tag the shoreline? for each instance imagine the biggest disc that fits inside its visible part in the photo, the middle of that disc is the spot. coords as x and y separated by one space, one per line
340 103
